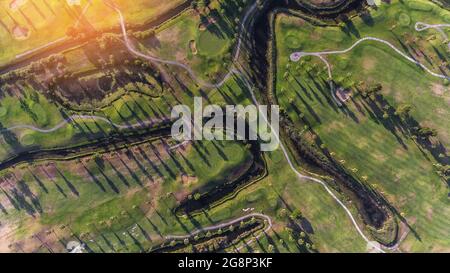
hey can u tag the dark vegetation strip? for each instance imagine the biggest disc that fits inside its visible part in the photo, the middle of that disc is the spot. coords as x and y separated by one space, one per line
113 142
327 10
442 3
70 43
215 241
54 95
374 209
226 189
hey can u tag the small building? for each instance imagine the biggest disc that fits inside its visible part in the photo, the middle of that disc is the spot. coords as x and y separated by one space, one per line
343 94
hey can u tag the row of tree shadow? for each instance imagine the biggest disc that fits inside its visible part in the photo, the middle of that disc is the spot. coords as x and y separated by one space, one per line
103 172
402 125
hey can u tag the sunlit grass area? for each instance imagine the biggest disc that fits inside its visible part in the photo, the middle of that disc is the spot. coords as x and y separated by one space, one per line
28 25
361 135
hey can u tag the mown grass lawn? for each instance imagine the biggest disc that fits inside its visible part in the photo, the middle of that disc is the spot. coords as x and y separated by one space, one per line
213 34
392 163
48 21
107 196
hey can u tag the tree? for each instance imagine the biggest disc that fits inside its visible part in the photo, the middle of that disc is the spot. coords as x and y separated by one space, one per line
282 213
197 196
296 214
426 132
403 111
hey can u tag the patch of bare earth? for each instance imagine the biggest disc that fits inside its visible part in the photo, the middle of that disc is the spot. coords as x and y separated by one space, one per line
369 63
439 89
187 179
5 238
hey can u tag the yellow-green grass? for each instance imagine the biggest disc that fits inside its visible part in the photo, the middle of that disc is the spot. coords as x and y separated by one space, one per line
214 41
73 198
333 230
44 30
210 44
50 23
316 205
267 196
401 172
136 13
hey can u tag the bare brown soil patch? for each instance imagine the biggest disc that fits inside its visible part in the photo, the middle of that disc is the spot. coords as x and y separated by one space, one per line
187 179
439 89
193 47
369 63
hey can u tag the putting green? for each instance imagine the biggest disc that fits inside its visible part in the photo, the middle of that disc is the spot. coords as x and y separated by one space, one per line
404 19
293 42
27 139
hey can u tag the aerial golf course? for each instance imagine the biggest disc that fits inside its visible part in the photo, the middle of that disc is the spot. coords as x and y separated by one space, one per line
87 156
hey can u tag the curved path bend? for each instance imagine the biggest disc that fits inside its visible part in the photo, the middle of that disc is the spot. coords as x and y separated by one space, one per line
193 75
234 71
73 118
267 220
420 26
297 56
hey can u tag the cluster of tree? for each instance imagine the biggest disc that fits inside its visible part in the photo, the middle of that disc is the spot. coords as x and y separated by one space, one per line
214 240
142 35
424 132
403 111
55 61
201 6
443 170
51 63
76 33
11 77
108 40
369 90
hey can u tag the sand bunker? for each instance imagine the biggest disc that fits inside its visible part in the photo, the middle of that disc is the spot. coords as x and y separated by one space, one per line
193 47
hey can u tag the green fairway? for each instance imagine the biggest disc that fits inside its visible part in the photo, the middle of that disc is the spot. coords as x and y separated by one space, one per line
209 44
214 33
360 135
36 17
87 152
83 194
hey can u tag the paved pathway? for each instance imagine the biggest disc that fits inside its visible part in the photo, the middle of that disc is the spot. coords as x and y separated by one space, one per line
297 56
235 71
